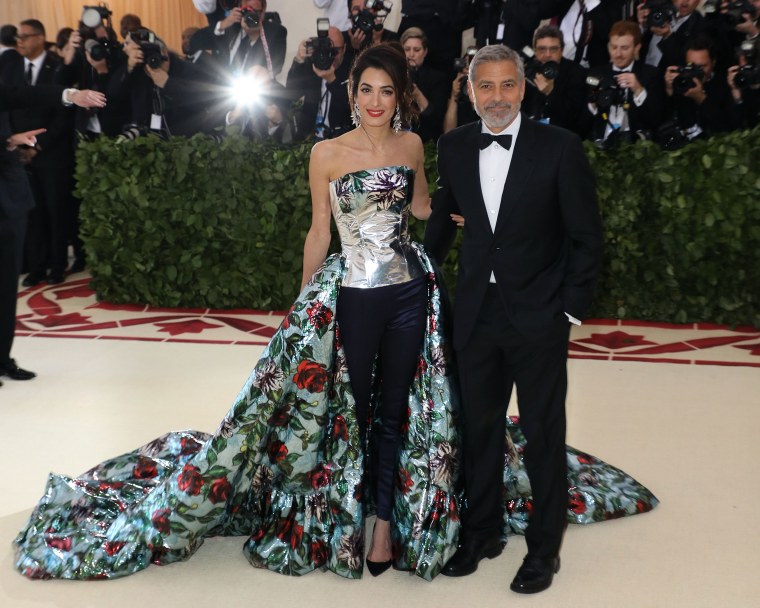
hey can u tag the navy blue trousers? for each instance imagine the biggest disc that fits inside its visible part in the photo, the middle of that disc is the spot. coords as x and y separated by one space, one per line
388 322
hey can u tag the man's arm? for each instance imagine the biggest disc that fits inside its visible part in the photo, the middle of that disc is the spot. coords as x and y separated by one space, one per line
441 229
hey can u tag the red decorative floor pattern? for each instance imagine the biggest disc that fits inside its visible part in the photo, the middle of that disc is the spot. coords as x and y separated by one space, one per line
71 310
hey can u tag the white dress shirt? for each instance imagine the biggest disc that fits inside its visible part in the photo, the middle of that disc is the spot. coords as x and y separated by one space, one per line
37 63
571 27
654 54
494 165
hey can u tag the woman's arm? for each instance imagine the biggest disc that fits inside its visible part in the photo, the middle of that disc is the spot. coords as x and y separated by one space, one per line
421 198
318 238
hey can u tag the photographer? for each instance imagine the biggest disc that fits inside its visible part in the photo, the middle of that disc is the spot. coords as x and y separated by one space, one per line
367 25
319 75
668 27
626 94
459 110
732 22
559 97
336 12
161 92
744 83
699 99
585 25
244 38
263 109
428 85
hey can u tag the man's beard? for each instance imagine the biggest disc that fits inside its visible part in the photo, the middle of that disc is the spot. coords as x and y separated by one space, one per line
505 113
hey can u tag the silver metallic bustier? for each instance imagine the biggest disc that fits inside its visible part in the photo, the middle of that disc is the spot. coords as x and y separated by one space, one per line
371 209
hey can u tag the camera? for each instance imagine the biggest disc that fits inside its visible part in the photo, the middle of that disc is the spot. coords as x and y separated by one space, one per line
94 17
685 79
605 91
251 17
748 75
734 14
153 57
549 70
371 17
463 62
660 12
322 52
671 137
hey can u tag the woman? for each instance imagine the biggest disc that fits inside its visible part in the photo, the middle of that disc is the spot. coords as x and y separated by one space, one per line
302 455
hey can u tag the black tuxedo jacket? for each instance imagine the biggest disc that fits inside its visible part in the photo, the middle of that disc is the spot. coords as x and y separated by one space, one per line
646 117
221 46
673 48
56 144
600 19
546 249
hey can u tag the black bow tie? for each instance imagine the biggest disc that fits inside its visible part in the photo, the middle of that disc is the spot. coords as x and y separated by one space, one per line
486 139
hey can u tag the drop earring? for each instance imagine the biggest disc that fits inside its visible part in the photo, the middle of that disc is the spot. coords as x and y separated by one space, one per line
356 116
397 120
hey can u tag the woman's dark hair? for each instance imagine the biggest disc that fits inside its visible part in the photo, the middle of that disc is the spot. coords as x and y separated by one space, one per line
63 37
389 57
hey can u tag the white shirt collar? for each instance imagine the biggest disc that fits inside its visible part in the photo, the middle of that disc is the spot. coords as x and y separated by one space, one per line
628 68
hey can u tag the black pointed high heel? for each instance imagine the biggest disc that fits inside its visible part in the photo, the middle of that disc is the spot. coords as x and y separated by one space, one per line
377 568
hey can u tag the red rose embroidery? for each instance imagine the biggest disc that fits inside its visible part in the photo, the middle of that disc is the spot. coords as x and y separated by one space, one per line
318 553
62 544
319 477
585 458
113 548
290 532
277 451
339 428
188 446
160 520
220 490
319 315
280 417
190 480
310 376
144 469
577 503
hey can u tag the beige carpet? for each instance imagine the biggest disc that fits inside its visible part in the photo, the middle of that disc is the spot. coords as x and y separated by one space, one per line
688 431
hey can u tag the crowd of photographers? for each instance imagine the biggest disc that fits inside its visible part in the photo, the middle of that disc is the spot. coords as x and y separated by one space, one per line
611 70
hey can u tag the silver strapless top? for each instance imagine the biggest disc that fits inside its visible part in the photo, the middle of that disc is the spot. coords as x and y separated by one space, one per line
371 209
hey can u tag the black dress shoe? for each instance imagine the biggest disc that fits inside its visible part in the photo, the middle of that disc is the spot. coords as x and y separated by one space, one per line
535 574
55 277
14 372
377 568
33 278
465 560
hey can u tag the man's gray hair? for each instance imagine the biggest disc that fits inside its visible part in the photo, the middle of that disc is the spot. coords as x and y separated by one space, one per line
496 52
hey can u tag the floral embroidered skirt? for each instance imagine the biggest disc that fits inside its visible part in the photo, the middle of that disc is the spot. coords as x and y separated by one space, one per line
285 469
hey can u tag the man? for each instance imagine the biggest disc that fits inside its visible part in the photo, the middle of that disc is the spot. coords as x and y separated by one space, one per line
636 111
336 12
429 86
239 45
701 105
171 98
558 101
16 200
442 21
324 112
50 164
8 52
585 24
665 44
530 254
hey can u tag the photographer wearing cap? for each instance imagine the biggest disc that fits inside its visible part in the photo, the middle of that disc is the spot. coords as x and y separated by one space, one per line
246 37
161 92
626 94
318 76
556 93
429 86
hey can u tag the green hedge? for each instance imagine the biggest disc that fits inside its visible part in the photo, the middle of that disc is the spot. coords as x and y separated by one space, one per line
194 223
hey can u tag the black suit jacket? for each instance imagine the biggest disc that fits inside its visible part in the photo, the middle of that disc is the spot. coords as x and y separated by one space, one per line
56 144
276 36
546 249
564 106
673 48
646 117
15 195
601 19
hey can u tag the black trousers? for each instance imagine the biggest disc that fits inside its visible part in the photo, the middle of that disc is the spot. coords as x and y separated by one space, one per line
50 220
495 358
389 322
12 231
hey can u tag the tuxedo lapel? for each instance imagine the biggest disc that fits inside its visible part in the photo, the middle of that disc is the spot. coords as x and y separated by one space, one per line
470 165
520 169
